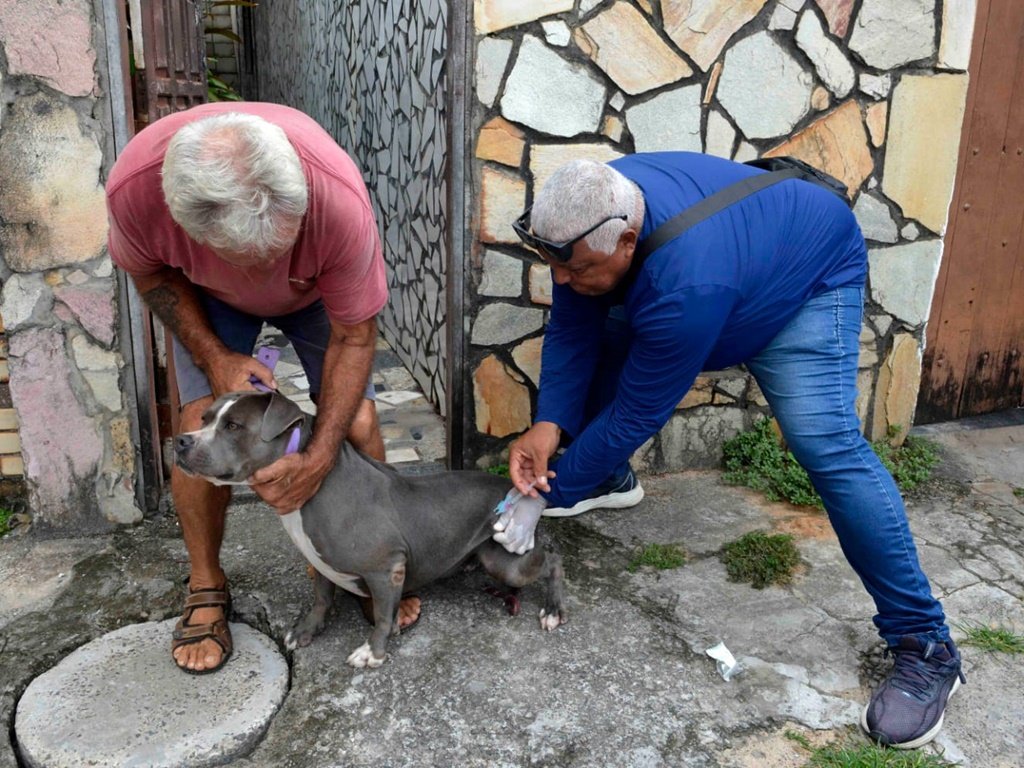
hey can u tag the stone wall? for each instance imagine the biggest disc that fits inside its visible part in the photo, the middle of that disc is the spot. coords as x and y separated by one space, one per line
371 73
59 287
874 97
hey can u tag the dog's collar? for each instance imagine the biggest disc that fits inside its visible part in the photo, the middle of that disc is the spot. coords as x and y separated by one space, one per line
293 442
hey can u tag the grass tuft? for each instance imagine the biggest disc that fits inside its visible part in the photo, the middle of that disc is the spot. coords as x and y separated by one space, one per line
660 556
849 754
1019 493
757 459
988 638
870 756
5 519
761 559
501 470
911 464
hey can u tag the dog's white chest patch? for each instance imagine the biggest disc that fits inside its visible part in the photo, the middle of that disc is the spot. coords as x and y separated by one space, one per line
292 523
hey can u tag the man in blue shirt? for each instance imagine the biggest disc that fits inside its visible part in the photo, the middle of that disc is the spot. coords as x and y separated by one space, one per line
775 281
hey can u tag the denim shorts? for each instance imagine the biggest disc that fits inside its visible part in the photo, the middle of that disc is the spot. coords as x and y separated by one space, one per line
307 329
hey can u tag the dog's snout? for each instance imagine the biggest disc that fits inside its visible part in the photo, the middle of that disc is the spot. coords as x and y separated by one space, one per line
183 442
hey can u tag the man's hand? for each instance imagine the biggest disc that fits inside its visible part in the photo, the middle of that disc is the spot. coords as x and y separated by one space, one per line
290 481
515 527
230 372
528 458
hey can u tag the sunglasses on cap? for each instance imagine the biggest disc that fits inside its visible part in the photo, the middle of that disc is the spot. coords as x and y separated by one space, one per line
558 251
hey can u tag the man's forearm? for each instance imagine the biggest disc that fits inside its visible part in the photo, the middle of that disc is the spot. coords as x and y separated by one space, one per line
348 363
172 298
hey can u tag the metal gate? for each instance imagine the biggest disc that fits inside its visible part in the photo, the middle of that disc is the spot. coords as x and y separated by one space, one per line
168 75
975 336
170 65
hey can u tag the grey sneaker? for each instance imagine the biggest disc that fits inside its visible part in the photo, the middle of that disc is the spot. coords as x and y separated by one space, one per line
907 709
615 493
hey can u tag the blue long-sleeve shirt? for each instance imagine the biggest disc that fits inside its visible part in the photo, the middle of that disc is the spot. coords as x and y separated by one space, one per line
711 298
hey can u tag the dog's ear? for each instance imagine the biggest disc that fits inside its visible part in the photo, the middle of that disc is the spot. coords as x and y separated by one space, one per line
281 414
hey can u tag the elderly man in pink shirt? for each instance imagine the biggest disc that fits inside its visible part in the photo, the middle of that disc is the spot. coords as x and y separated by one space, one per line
227 216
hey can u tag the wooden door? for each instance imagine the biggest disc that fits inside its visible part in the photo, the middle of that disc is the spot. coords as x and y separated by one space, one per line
171 75
975 336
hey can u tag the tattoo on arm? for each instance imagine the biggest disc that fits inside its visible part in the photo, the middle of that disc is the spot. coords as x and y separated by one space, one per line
163 301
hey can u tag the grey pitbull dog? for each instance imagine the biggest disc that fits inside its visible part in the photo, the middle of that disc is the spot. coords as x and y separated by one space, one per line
369 530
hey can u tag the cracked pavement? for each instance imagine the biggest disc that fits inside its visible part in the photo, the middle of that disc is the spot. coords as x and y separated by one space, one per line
626 682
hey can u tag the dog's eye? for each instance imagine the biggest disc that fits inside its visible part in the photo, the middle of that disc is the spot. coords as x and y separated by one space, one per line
230 426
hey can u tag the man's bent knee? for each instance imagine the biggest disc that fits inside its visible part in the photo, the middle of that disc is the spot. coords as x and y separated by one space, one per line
192 413
365 429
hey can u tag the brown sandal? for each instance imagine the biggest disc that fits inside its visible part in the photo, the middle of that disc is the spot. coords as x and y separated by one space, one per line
189 634
366 605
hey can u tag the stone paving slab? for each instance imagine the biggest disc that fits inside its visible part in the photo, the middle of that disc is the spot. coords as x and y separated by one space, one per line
626 682
120 700
412 430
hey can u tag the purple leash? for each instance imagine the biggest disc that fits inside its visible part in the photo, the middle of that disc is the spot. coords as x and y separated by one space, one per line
269 356
293 442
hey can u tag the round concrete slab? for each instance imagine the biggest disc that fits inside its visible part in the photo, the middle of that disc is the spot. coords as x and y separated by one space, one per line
120 700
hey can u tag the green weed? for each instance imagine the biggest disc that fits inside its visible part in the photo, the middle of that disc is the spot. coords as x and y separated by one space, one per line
1019 493
756 459
911 464
501 470
870 756
5 519
999 639
848 754
761 559
660 556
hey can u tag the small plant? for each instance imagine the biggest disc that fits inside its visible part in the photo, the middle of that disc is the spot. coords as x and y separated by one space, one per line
501 470
1019 493
5 519
758 460
799 738
848 754
217 89
998 639
660 556
761 559
870 756
911 463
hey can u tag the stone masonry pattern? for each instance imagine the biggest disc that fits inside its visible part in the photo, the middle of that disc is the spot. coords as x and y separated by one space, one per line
64 424
872 92
371 73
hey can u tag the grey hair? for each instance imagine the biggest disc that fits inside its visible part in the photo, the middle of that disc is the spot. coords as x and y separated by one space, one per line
235 183
581 193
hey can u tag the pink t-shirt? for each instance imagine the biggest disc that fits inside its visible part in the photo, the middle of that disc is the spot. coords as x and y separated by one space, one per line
337 256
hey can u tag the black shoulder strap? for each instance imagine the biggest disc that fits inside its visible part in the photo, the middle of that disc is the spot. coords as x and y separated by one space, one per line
709 206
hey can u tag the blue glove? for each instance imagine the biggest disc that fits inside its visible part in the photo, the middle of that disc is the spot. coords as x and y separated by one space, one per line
517 520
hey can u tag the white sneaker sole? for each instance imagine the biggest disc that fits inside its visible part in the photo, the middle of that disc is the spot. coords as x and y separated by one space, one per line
609 501
924 738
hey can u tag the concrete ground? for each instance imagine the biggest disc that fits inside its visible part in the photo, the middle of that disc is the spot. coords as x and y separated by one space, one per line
625 683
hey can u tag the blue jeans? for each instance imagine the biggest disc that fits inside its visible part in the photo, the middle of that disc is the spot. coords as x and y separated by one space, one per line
808 374
308 329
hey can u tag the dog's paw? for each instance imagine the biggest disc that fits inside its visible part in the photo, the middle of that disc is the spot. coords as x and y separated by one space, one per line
553 620
296 639
363 657
300 635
